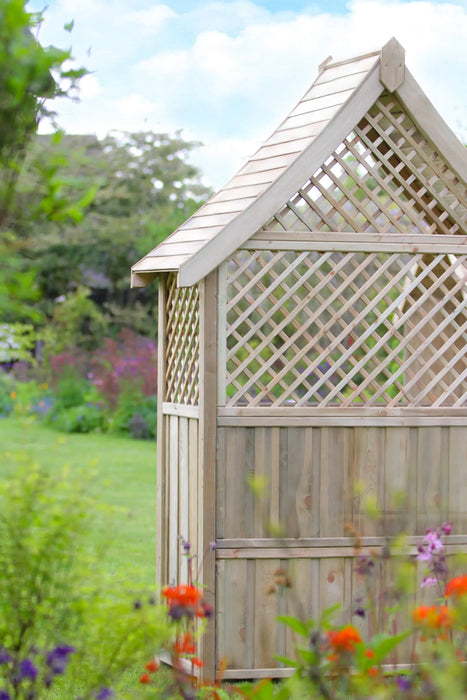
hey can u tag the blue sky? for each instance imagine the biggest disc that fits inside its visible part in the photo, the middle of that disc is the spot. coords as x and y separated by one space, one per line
226 73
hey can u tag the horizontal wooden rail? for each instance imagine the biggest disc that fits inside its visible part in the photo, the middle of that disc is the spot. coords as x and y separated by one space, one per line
362 242
292 416
181 410
320 547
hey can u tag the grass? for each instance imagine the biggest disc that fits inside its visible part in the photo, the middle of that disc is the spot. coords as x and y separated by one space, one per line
121 479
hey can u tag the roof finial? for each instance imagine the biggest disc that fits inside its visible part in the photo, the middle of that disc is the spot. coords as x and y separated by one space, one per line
324 63
392 65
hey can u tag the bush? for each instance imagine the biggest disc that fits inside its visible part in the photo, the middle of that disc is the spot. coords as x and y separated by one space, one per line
66 629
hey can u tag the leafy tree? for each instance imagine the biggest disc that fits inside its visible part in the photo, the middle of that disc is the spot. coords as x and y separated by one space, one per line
30 75
136 189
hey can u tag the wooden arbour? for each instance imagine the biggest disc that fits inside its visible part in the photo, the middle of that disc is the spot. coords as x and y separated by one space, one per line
312 342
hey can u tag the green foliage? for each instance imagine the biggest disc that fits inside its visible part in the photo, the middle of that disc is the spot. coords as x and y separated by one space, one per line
26 85
41 557
135 189
76 322
56 601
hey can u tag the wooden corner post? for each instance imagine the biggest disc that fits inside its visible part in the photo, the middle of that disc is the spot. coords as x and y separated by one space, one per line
161 469
207 457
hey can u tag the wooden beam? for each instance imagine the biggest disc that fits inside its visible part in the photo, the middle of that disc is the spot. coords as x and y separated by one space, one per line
207 457
161 467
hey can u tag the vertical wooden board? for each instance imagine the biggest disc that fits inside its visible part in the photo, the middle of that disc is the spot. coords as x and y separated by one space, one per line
368 479
266 471
316 481
335 493
167 500
183 495
263 480
283 481
457 479
220 612
250 613
235 628
248 475
265 614
221 460
300 482
428 478
173 501
274 464
208 293
359 593
444 473
161 463
235 483
412 462
398 500
193 480
332 585
299 599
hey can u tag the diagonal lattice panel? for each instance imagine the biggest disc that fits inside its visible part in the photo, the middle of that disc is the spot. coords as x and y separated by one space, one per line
182 348
346 328
385 177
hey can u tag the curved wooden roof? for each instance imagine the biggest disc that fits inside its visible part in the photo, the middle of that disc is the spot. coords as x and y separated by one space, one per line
339 97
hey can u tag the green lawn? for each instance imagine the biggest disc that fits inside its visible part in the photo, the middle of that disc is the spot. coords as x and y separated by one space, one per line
122 477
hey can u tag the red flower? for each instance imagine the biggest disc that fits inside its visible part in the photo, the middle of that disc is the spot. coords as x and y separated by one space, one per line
152 666
457 586
144 678
185 645
432 616
197 662
344 639
185 596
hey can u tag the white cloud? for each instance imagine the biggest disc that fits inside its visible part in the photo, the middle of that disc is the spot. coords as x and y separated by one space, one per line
89 87
228 72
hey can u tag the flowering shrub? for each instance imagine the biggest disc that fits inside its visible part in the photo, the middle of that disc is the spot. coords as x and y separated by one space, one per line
112 391
129 361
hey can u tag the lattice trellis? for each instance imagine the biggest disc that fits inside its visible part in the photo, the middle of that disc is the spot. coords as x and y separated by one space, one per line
182 348
385 177
346 328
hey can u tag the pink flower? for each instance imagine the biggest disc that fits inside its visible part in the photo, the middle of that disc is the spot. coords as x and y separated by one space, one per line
429 581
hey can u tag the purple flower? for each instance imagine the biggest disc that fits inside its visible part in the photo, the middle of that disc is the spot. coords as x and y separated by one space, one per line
446 528
4 695
428 581
105 694
137 605
57 659
28 670
404 683
5 657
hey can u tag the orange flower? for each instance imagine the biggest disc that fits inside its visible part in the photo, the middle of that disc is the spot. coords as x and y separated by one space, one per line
369 653
197 662
432 616
186 596
457 586
13 394
185 645
344 639
144 678
152 666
